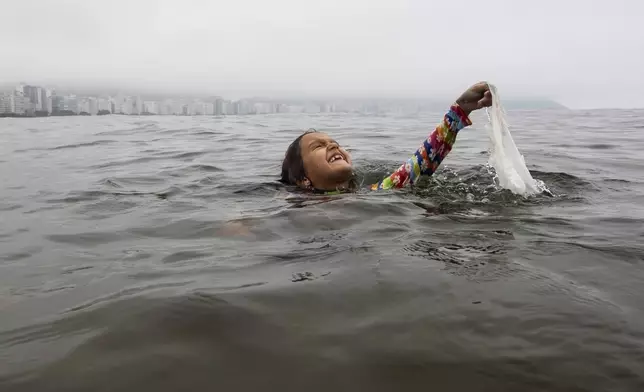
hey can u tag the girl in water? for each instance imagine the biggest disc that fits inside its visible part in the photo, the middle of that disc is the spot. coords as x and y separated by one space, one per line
316 163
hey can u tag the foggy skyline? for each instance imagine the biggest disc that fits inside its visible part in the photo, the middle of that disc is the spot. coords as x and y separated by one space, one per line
579 53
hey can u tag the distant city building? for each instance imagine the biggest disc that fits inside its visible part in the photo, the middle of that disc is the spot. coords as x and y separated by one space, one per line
176 107
35 95
166 108
104 105
124 105
28 100
87 105
190 109
71 103
57 104
264 108
44 101
93 106
296 109
229 108
137 105
243 107
219 107
83 106
14 102
151 107
48 104
6 103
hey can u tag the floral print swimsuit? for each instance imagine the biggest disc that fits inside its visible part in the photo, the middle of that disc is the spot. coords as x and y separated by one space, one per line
431 153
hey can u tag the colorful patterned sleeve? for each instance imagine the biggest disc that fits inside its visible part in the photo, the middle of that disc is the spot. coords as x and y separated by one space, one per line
431 153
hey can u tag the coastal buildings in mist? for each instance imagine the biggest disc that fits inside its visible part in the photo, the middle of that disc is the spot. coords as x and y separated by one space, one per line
39 101
27 100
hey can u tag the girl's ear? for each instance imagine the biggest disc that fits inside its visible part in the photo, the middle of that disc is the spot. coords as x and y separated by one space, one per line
305 184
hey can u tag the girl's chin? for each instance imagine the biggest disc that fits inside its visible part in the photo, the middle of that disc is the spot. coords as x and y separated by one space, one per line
340 165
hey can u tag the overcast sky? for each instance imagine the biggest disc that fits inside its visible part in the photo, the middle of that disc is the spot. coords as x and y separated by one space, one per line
584 53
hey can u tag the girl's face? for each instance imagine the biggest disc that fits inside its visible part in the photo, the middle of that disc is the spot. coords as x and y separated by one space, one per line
326 164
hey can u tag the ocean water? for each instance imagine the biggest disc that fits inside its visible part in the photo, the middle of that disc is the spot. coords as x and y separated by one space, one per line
160 254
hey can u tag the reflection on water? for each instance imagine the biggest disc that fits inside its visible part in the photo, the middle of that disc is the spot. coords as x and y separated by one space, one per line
159 253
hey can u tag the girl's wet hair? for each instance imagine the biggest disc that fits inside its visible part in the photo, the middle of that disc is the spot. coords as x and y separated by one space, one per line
293 166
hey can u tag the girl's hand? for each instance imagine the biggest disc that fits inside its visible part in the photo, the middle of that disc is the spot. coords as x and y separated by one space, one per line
476 97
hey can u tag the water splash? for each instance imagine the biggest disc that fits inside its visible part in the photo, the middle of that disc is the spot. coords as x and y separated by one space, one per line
511 171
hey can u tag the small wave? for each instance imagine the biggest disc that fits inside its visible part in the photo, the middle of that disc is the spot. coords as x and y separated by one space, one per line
206 133
173 131
126 293
600 146
126 162
617 180
77 145
191 169
260 189
181 229
186 156
562 180
16 256
9 207
88 239
473 261
189 155
76 197
120 182
172 191
184 256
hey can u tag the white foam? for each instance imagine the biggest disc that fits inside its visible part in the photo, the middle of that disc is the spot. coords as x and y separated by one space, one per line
511 171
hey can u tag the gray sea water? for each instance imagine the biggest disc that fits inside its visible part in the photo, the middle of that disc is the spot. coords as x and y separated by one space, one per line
160 254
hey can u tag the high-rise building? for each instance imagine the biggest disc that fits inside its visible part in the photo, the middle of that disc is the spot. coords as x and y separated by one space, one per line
296 109
177 108
219 107
125 105
50 94
151 107
15 102
80 106
57 104
22 104
93 106
137 105
71 103
264 108
121 105
165 108
242 107
7 103
227 108
104 104
171 107
44 101
35 95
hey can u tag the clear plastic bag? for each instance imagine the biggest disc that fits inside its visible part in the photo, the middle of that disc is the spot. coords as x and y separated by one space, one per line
511 171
